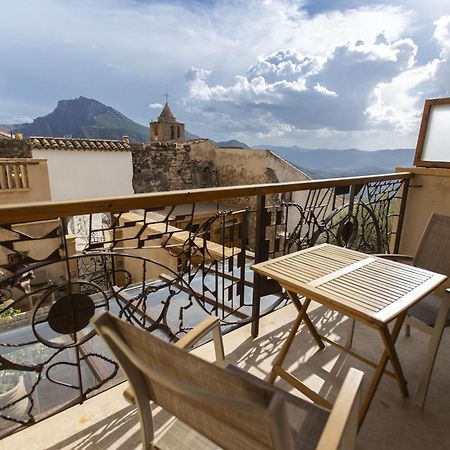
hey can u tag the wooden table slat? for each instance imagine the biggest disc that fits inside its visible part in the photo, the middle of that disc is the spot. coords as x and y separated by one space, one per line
395 278
353 300
355 291
385 286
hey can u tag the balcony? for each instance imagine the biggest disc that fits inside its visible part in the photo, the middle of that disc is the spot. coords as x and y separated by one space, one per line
23 180
165 261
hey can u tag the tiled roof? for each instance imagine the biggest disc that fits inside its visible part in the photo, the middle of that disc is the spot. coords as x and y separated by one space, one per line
5 135
78 144
166 114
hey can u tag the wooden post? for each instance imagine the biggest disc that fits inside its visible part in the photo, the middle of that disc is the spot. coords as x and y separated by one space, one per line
260 238
401 215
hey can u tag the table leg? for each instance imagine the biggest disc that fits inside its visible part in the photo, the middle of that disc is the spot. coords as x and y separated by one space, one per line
298 304
389 344
380 368
287 344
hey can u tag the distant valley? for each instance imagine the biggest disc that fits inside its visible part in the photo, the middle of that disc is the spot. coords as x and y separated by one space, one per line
328 163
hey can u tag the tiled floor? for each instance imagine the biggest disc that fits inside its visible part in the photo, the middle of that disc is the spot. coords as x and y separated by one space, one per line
108 422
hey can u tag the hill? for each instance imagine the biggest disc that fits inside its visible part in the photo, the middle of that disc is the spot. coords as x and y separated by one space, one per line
85 118
232 143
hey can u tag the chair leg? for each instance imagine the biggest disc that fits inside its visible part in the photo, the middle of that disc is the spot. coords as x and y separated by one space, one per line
145 416
407 330
433 348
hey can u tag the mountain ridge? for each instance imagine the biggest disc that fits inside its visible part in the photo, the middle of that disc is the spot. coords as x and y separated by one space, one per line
87 118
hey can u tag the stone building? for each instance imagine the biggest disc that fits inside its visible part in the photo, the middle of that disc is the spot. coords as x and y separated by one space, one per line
166 128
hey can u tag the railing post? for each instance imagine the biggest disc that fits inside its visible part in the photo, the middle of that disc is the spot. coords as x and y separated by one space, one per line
401 215
261 254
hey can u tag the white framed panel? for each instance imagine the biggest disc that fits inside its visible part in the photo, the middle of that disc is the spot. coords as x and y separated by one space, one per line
433 145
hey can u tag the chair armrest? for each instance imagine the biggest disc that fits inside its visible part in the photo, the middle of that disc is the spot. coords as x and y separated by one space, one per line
342 424
211 324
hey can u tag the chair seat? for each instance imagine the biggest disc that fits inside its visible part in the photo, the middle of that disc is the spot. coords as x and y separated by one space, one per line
426 310
177 435
306 420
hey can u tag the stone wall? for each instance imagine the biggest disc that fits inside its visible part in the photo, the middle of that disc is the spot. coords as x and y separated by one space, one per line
14 148
237 166
170 166
428 194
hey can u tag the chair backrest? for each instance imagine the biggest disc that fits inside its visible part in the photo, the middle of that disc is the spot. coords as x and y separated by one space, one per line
434 248
228 409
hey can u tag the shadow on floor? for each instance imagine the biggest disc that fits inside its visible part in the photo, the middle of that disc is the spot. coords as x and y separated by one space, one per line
105 433
326 367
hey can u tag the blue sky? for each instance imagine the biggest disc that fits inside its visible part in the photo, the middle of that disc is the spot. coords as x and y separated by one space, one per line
325 73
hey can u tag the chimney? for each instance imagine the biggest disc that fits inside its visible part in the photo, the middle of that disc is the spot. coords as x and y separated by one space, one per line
126 139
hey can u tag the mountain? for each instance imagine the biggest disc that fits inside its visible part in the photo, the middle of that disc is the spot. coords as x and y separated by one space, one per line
327 163
232 143
85 118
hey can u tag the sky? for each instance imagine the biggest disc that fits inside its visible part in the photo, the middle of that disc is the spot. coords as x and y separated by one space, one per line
311 73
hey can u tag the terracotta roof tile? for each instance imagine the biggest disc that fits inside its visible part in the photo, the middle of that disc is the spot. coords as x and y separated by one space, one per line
35 143
78 144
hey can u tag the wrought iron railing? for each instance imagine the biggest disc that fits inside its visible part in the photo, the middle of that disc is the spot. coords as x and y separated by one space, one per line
162 261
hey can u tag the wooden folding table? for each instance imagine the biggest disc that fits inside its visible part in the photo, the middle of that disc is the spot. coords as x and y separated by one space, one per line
371 290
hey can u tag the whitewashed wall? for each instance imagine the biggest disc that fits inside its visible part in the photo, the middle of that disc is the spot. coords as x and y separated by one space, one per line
87 174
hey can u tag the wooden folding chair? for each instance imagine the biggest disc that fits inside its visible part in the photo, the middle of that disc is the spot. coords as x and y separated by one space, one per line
431 315
219 405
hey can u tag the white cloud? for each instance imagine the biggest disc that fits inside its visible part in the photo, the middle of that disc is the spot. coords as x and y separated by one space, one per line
155 105
442 32
7 120
308 91
399 103
323 90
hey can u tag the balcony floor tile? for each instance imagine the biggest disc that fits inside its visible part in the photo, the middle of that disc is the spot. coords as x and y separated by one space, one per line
108 422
